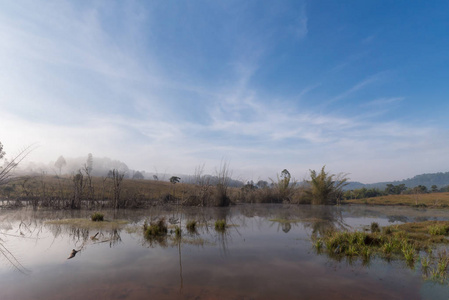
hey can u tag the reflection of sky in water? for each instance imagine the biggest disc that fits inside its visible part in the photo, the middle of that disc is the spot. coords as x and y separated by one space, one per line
257 259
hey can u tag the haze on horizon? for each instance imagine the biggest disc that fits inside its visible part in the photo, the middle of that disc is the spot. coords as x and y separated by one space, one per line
358 86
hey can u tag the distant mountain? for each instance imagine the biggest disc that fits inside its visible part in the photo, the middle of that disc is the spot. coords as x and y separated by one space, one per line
439 179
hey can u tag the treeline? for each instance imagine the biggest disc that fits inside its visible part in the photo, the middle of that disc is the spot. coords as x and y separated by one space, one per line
321 188
82 190
391 189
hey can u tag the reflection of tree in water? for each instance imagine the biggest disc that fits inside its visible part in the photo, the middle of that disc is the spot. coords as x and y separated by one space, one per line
83 237
11 258
392 219
421 219
156 241
24 231
324 219
286 227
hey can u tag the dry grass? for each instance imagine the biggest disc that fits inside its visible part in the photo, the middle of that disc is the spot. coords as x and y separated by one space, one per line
88 224
56 191
435 200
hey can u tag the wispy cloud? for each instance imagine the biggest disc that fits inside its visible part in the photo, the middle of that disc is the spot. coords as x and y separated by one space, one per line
77 82
356 88
301 27
383 101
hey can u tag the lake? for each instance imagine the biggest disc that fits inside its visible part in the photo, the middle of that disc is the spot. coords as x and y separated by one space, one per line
260 255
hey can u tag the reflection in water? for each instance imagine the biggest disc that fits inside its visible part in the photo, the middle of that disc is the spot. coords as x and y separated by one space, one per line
12 259
82 237
180 264
286 227
253 258
23 231
402 219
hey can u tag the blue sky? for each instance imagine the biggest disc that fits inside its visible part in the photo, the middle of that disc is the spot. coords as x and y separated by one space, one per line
358 86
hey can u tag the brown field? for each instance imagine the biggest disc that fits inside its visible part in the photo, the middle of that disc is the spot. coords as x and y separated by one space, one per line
436 200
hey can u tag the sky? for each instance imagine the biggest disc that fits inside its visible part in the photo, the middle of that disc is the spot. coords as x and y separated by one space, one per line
359 86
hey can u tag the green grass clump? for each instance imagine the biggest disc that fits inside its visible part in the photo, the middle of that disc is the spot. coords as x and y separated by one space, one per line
318 244
363 244
155 229
191 225
97 217
365 252
435 268
425 263
409 253
400 242
220 225
438 230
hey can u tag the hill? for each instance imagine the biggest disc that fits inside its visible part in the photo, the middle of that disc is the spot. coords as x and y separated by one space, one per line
439 179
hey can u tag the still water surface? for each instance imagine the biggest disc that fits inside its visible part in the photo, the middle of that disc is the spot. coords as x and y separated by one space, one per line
256 258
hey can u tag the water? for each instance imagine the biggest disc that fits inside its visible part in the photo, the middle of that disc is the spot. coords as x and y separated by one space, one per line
254 259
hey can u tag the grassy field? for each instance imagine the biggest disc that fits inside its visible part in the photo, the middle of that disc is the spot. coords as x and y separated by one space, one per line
435 200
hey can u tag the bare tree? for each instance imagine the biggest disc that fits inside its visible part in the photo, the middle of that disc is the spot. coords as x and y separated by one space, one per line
117 179
90 188
90 162
78 187
6 172
60 163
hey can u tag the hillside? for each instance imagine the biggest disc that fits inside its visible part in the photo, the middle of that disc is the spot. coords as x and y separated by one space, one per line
439 179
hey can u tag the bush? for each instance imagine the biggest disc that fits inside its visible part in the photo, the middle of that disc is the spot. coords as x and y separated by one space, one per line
97 217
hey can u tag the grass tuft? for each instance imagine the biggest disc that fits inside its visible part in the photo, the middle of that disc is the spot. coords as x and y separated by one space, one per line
375 227
191 225
438 229
155 229
97 217
178 232
220 225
